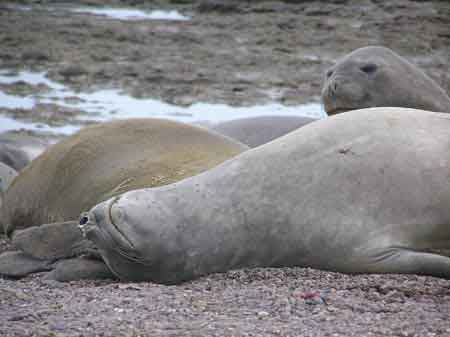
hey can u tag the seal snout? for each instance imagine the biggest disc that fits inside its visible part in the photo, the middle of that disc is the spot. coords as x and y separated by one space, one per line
330 89
330 94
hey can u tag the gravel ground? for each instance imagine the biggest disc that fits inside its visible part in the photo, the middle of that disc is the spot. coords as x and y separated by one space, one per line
239 53
259 302
253 302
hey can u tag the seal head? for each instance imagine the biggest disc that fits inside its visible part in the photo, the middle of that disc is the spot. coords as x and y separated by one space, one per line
116 240
378 77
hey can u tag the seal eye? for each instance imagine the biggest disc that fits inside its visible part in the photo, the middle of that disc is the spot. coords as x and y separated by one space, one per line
329 73
369 68
84 220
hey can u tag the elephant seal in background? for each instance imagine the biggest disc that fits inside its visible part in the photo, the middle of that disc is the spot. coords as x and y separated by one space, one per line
93 165
13 157
31 144
366 191
255 131
104 160
378 77
7 174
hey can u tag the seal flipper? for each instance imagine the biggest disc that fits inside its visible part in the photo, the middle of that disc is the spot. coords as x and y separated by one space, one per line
398 260
53 241
16 264
79 269
40 246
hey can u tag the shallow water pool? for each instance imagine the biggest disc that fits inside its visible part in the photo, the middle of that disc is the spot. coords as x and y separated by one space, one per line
104 105
133 14
10 124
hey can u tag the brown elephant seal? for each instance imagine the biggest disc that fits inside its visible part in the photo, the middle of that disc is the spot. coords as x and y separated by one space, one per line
365 191
378 77
255 131
95 164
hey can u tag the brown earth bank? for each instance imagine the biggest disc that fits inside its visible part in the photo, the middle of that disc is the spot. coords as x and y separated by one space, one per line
234 52
240 53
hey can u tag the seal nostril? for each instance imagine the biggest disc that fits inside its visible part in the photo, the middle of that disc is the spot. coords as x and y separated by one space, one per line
335 86
369 68
84 220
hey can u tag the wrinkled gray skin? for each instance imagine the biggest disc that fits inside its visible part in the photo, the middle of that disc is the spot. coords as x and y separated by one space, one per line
255 131
13 157
17 264
54 247
79 269
366 191
378 77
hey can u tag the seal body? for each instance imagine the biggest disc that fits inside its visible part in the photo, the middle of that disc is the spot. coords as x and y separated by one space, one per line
255 131
7 175
13 156
378 77
366 191
103 160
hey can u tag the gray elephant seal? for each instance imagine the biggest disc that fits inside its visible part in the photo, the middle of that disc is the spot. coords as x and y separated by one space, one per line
13 157
88 167
378 77
7 175
366 191
255 131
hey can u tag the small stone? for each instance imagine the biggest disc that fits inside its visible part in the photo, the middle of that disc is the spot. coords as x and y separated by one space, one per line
16 318
218 6
58 326
72 71
262 314
129 286
52 283
36 55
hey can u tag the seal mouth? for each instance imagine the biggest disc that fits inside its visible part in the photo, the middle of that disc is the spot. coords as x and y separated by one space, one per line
115 247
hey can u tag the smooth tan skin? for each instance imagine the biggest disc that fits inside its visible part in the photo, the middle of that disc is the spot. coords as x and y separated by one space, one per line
104 160
378 77
366 191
